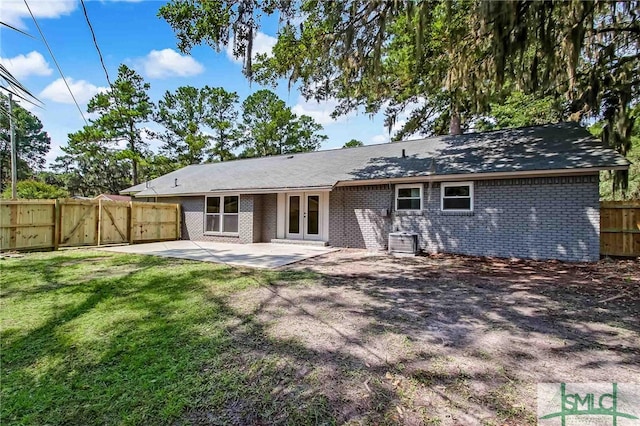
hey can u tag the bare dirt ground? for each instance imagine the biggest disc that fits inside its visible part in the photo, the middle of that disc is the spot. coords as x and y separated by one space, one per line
448 340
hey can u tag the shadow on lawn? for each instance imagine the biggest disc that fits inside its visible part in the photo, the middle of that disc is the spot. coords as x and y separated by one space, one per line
482 332
169 341
523 297
146 347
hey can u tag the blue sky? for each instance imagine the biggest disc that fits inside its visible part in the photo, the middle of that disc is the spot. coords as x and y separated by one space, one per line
130 32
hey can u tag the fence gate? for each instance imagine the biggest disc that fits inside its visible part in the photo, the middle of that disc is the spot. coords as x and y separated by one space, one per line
154 222
78 223
113 220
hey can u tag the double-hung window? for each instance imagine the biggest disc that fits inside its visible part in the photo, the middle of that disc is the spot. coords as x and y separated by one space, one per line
221 214
457 196
409 197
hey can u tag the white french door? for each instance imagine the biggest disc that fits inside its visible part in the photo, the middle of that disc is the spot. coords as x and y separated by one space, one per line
303 216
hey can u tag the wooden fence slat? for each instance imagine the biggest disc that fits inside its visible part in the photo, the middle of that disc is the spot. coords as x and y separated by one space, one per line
56 225
99 221
130 222
13 220
30 225
178 221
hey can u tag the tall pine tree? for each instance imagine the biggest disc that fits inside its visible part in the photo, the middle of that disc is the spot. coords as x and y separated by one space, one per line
121 110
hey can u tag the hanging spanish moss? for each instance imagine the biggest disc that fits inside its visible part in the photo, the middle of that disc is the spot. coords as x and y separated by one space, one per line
442 58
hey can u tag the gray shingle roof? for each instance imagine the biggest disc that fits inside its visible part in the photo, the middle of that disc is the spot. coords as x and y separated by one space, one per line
550 147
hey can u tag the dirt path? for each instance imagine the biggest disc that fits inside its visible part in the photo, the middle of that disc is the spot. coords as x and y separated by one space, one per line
449 339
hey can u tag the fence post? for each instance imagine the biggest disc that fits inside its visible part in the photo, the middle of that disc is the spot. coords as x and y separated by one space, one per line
178 218
130 224
99 221
56 225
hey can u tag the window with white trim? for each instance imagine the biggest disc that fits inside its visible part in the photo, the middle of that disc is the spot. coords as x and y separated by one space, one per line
221 214
457 196
409 197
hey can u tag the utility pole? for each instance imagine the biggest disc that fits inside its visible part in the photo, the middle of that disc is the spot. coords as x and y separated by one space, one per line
14 151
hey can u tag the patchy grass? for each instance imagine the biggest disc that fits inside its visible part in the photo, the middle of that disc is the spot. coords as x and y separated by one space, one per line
119 339
346 338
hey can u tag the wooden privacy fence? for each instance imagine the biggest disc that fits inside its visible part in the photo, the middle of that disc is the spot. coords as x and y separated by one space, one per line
49 224
620 228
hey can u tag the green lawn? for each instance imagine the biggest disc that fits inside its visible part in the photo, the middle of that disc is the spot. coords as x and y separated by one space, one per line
90 337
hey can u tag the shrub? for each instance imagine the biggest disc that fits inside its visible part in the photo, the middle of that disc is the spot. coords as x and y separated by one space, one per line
34 189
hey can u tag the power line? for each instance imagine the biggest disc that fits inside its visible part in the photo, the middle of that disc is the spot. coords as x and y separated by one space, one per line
44 39
95 42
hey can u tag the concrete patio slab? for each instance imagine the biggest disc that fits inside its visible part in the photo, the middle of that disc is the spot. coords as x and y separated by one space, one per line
258 255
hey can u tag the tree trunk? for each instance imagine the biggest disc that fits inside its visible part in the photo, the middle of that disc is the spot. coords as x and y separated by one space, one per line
134 160
454 124
134 166
221 146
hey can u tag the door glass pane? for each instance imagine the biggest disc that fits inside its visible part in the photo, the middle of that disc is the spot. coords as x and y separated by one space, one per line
313 214
230 223
213 223
294 214
231 204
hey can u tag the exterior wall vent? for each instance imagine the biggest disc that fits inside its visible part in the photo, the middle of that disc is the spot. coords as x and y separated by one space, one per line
403 242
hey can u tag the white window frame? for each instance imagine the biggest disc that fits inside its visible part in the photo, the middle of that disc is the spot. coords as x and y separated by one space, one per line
221 214
444 185
406 186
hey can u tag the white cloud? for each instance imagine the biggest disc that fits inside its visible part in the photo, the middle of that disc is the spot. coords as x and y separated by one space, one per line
168 63
262 43
381 138
14 12
82 90
319 111
22 66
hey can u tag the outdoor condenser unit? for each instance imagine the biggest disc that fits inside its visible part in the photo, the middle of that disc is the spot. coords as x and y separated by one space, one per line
403 242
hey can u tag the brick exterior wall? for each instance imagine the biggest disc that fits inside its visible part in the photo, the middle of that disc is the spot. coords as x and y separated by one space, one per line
541 218
193 221
256 219
356 216
256 231
246 218
269 217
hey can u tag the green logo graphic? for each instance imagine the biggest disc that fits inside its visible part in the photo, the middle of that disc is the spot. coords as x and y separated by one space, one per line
589 404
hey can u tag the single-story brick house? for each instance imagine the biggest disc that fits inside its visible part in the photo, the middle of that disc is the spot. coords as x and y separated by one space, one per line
528 192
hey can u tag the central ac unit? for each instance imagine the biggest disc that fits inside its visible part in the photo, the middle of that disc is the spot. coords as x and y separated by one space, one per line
403 242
